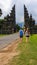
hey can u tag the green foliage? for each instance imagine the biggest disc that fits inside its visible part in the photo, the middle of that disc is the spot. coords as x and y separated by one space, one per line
1 20
17 27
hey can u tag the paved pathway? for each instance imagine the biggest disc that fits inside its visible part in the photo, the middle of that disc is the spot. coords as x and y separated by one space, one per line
5 40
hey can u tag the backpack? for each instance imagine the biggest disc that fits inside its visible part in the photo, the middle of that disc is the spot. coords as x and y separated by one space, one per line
21 33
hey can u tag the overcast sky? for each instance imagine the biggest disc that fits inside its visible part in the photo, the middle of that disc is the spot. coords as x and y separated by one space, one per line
31 5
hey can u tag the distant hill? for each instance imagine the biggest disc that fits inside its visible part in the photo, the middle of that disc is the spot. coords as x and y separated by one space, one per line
21 24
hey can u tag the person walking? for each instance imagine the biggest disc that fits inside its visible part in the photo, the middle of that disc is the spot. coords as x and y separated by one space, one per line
21 34
27 34
24 30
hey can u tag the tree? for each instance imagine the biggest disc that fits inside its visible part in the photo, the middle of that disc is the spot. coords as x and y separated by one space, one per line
17 27
0 12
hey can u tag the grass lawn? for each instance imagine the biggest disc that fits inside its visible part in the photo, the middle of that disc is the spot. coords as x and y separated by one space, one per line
1 35
28 52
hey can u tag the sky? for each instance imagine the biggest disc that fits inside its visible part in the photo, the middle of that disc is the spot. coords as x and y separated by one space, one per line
31 5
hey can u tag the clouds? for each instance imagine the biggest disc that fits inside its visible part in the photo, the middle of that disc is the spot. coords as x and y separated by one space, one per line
6 6
20 19
31 5
19 11
32 9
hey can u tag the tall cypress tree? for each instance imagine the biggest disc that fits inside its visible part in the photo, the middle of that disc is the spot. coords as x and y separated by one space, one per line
0 12
26 17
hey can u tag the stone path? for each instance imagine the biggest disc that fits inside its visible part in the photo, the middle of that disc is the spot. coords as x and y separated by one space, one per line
6 40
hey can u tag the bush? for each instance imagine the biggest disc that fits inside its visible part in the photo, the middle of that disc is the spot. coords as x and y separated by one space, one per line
17 27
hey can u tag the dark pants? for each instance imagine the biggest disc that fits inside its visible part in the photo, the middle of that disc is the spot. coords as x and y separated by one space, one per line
21 36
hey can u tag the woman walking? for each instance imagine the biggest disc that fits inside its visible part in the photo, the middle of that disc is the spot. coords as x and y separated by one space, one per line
27 34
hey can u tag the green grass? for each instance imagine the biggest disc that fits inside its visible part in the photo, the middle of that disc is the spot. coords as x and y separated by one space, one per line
28 52
1 35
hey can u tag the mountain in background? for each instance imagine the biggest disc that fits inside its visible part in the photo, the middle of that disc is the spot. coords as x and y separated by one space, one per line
21 24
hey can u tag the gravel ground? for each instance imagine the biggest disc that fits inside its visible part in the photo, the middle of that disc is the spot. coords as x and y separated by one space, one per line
6 40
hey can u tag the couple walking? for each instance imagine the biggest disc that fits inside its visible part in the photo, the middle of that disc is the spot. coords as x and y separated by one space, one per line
26 32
